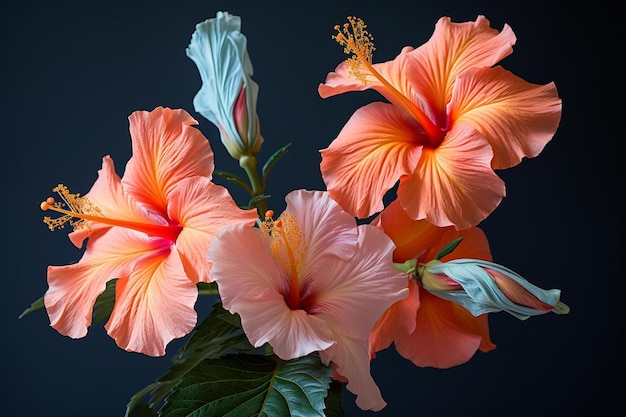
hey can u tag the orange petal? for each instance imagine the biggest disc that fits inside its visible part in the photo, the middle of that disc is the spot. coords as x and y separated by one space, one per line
202 208
399 319
166 148
73 289
441 339
452 49
517 118
453 184
153 305
394 72
377 146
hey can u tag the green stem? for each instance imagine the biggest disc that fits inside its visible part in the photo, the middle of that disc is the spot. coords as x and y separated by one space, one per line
248 163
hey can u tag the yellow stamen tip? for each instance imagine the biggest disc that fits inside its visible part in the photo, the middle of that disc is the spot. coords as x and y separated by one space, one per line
356 40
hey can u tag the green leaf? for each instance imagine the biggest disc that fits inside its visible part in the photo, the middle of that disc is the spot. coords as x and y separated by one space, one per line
101 309
218 333
256 199
36 305
271 161
448 248
333 400
104 303
235 179
252 385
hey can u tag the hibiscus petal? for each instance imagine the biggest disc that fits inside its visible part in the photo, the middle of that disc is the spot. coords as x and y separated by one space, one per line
453 184
452 49
253 285
340 81
166 149
398 319
517 118
440 339
377 146
327 229
351 357
202 208
73 289
353 294
153 305
107 194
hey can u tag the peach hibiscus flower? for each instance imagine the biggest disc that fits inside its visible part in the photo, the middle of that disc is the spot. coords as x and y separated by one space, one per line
150 230
453 118
425 329
312 280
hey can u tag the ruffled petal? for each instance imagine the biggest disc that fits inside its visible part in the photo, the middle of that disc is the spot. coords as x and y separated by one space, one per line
340 81
73 289
166 149
353 294
351 357
454 184
440 339
107 194
399 319
377 146
153 305
516 117
328 231
253 285
452 49
202 208
419 239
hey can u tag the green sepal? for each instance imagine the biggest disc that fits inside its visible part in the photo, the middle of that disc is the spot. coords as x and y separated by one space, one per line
448 248
333 400
235 179
271 161
252 385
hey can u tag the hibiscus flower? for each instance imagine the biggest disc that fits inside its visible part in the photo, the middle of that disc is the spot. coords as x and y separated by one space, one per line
425 329
453 118
150 230
311 280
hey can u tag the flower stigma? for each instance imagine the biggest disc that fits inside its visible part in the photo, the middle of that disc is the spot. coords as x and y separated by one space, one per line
79 211
287 247
356 40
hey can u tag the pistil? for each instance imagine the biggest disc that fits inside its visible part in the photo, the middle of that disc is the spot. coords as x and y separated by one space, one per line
82 210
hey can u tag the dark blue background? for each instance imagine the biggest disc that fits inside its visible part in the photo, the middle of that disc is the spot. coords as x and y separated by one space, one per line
71 75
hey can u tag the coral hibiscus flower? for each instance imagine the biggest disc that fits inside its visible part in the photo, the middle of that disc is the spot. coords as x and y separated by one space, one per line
452 119
428 330
312 280
150 230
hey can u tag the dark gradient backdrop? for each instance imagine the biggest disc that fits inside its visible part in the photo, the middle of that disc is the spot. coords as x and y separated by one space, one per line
71 75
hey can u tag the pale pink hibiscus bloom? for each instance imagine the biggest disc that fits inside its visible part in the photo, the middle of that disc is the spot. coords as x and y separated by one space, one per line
150 230
428 330
453 118
312 280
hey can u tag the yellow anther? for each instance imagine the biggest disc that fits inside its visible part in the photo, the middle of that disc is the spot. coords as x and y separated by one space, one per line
72 208
356 40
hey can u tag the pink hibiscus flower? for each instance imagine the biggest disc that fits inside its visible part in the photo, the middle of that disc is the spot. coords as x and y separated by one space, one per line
425 329
150 230
452 119
312 280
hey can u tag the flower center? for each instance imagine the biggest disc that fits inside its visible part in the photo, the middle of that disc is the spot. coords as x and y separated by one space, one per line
79 212
288 247
356 40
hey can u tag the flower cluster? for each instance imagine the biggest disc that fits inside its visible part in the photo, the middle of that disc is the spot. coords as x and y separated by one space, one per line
319 280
